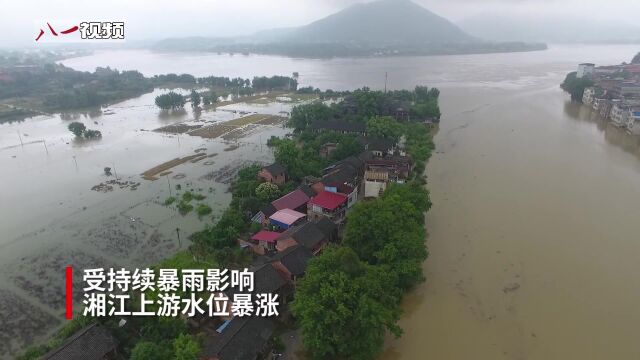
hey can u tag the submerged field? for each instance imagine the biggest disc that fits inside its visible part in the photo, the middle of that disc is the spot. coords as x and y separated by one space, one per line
62 208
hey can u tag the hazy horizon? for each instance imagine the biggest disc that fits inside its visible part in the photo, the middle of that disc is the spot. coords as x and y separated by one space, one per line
162 19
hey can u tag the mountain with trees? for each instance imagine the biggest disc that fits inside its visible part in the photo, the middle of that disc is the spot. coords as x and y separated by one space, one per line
636 59
383 27
380 22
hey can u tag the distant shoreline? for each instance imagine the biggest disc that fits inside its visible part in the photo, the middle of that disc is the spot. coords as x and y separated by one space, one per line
329 51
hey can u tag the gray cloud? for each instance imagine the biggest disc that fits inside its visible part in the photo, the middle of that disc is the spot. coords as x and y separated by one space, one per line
166 18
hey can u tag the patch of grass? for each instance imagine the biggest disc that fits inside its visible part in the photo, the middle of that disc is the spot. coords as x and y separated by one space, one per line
198 197
184 207
170 200
203 209
187 196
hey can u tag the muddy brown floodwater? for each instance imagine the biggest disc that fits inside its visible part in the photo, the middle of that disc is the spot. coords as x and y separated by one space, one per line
534 236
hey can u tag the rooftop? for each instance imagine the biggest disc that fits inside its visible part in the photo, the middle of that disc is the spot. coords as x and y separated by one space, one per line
264 235
328 200
243 338
295 259
327 226
275 169
287 216
90 343
292 200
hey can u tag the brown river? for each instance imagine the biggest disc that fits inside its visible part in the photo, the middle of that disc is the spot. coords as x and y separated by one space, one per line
534 236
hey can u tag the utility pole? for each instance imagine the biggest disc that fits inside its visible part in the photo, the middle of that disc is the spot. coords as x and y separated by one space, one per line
169 184
20 136
114 170
45 146
385 82
179 242
75 161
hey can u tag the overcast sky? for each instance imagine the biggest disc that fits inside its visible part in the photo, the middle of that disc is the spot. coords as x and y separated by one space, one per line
20 19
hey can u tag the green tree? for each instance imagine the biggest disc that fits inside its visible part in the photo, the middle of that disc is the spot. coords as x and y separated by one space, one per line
92 134
147 350
389 232
345 306
384 127
267 192
77 128
575 86
304 115
170 101
209 98
287 154
186 347
195 98
348 146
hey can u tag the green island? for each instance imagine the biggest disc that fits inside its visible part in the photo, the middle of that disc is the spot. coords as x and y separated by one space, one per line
353 284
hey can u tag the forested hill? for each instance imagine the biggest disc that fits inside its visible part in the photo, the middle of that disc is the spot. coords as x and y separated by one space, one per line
380 22
378 28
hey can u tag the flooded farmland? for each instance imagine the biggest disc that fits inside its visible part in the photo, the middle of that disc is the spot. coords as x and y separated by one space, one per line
60 207
533 236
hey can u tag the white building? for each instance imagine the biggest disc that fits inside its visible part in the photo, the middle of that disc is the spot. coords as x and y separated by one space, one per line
585 69
633 121
588 95
619 113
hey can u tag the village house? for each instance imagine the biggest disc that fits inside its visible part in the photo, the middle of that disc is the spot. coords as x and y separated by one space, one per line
292 262
328 228
243 338
401 114
262 216
344 177
93 342
378 146
274 173
330 204
307 234
264 241
326 149
381 170
286 218
633 121
295 200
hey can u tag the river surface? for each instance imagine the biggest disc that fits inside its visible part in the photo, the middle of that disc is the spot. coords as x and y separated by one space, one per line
534 233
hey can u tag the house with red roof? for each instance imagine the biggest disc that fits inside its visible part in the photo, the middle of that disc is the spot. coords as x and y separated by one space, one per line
295 200
329 204
264 240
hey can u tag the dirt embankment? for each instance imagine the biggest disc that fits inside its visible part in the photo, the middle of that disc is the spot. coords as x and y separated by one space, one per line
153 173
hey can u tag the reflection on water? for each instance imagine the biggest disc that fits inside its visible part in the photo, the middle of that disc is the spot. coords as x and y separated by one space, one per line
613 135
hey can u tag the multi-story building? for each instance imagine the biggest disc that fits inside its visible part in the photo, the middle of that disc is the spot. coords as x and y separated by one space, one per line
585 69
588 95
633 120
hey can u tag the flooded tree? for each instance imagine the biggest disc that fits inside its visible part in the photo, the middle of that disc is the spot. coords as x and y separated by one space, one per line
170 101
196 99
77 128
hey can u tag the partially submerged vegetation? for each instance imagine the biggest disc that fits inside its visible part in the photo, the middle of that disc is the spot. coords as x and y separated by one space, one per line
354 288
575 86
31 84
80 131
